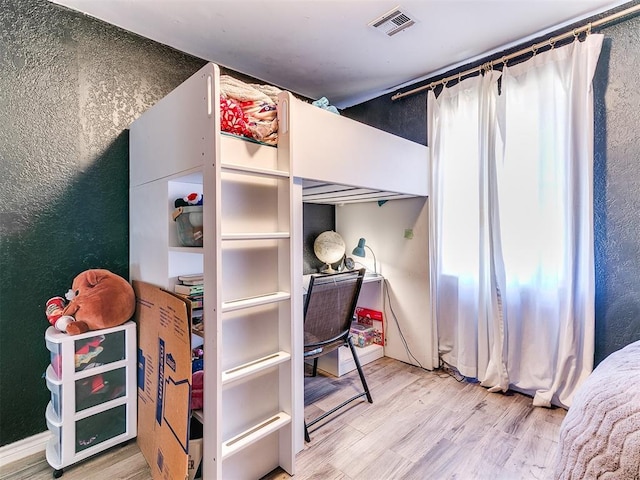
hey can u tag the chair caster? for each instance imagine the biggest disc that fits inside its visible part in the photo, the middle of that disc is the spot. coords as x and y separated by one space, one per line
58 473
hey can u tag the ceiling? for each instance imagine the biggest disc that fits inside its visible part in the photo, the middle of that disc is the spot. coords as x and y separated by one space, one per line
326 48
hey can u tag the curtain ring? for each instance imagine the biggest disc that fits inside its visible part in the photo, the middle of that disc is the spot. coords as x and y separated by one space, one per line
504 61
534 49
576 34
552 42
589 28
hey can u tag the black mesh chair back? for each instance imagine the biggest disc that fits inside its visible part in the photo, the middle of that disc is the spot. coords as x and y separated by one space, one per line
328 312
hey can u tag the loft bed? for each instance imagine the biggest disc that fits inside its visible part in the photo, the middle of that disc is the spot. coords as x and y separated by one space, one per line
342 161
338 160
249 187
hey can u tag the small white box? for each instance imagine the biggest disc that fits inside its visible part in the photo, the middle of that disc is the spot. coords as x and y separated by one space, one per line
340 361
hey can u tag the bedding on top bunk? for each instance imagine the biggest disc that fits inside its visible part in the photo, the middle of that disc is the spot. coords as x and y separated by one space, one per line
249 110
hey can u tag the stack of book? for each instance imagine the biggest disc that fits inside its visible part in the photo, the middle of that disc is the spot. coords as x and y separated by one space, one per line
191 287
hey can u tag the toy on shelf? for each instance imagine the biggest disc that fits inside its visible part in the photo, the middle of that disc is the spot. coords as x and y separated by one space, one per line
189 220
98 299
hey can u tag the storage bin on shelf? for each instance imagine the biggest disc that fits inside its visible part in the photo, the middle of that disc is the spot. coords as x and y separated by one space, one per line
189 225
92 381
363 335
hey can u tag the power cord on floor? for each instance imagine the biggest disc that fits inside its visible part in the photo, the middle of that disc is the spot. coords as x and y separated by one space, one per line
450 371
447 369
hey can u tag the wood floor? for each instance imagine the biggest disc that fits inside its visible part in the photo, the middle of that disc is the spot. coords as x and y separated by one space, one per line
422 425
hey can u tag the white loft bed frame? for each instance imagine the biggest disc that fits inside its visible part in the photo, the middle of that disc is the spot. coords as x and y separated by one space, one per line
331 158
342 161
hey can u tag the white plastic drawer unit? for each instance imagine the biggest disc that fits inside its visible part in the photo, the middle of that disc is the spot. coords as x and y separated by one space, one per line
92 381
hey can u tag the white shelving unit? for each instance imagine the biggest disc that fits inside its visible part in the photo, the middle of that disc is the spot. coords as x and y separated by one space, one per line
92 379
177 148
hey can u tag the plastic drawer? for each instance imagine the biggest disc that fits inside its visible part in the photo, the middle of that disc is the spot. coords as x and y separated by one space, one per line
101 388
100 427
55 349
91 349
52 416
54 447
56 392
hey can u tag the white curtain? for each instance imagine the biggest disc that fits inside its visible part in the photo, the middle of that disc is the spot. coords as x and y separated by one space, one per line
512 223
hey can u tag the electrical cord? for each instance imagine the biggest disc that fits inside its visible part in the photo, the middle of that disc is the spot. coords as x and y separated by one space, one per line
449 370
395 319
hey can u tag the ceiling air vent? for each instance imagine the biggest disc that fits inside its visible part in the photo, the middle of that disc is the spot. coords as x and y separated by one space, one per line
393 21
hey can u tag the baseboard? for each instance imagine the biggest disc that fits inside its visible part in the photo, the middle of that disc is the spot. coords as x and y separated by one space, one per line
23 448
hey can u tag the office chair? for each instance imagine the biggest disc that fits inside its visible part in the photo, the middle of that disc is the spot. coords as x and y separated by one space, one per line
328 313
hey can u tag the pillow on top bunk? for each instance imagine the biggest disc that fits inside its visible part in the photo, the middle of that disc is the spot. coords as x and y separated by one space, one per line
249 109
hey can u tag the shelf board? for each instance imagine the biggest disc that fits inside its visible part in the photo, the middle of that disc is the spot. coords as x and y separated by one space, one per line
253 367
249 302
255 236
256 171
255 433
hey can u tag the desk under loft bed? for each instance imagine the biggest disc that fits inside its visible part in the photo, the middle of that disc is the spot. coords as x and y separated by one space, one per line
252 248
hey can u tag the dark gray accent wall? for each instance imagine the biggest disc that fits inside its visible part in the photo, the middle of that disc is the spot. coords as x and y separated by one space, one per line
616 176
316 219
617 188
69 88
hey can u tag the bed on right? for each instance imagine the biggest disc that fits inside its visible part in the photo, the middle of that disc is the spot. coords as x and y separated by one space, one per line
600 435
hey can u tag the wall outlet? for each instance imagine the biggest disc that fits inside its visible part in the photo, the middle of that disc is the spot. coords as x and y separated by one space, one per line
408 233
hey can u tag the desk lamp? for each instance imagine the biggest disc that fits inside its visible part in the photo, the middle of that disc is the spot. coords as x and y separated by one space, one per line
360 252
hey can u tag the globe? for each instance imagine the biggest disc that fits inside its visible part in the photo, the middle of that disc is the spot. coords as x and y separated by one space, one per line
329 247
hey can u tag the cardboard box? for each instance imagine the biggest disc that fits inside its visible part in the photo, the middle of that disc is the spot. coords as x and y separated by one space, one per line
164 380
195 457
372 318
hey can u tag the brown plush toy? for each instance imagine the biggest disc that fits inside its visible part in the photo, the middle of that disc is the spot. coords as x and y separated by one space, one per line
98 299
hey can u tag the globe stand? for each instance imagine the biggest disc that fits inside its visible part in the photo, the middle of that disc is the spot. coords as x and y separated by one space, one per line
328 269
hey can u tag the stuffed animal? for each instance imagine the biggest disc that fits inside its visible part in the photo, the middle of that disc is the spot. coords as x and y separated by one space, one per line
98 299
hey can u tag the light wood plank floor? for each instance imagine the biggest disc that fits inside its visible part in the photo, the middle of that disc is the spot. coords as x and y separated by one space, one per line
422 425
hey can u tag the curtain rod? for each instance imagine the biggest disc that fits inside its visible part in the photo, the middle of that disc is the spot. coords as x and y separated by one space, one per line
533 48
